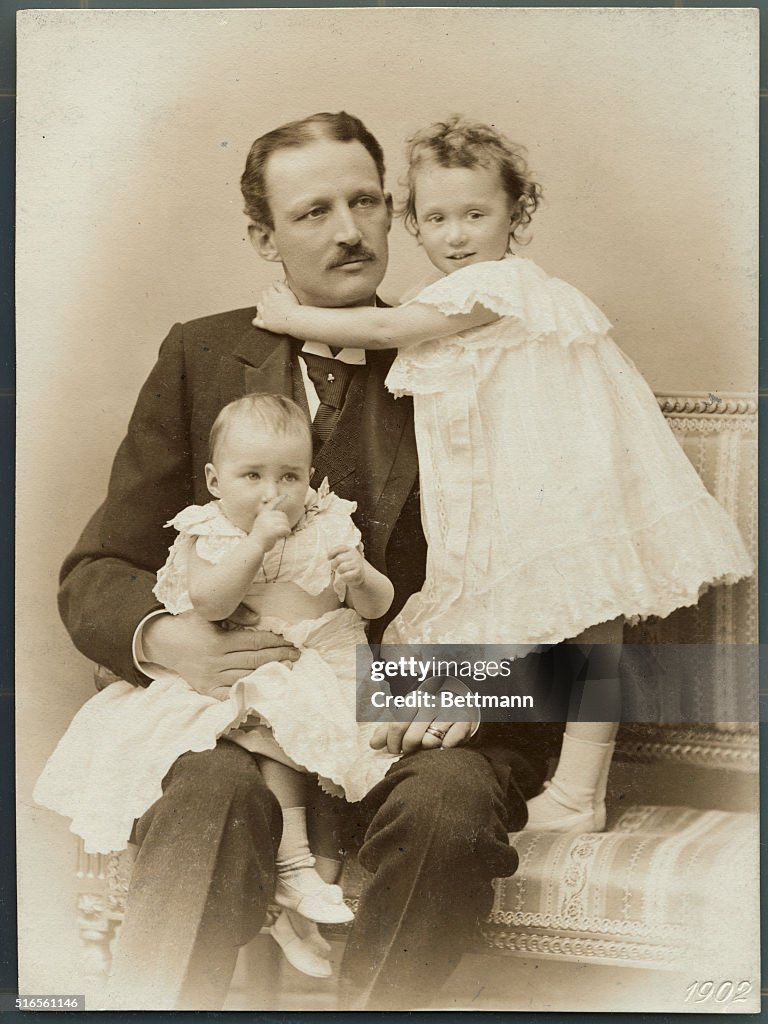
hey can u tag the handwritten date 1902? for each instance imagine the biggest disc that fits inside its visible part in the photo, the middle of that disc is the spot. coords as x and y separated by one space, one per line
719 992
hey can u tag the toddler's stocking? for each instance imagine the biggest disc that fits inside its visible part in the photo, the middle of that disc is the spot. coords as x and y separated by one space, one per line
574 800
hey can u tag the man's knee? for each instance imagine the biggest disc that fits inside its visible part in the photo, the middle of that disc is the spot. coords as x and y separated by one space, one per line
225 769
204 785
447 798
459 782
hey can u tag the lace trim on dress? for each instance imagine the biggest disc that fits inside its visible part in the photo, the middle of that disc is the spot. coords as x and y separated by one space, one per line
632 577
534 307
304 559
516 287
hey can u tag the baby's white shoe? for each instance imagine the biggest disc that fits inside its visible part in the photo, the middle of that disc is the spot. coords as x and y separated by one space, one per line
308 954
305 892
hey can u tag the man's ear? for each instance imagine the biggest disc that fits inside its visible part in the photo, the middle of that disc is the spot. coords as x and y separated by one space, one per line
211 479
390 207
262 240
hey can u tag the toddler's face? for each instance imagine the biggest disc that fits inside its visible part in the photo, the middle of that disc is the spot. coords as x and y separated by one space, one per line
464 215
254 465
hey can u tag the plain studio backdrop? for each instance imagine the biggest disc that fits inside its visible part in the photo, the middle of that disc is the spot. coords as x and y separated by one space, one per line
641 126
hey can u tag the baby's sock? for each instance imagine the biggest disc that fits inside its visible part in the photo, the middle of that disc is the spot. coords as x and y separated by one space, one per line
295 863
299 887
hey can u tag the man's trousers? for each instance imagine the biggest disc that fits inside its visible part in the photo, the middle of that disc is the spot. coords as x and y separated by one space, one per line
433 835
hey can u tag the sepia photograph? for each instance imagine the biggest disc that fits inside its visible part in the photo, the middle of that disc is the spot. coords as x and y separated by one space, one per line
382 372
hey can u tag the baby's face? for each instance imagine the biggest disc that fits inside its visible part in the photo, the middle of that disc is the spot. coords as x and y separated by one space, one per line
464 215
254 465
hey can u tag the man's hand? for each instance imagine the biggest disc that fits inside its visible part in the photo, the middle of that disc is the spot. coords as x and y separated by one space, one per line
274 305
348 564
207 657
409 736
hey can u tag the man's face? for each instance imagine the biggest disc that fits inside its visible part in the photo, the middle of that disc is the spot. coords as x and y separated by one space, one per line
331 220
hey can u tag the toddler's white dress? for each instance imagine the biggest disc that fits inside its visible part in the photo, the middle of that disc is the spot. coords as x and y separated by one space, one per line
554 495
108 767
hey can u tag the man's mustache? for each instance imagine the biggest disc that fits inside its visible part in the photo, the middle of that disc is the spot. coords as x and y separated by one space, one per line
352 254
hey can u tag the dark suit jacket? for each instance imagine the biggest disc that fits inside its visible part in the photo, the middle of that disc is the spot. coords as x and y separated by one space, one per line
106 582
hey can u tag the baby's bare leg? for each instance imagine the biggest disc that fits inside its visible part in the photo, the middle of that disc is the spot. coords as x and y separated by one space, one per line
287 783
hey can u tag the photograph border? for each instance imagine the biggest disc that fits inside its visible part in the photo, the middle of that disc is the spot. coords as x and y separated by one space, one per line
8 927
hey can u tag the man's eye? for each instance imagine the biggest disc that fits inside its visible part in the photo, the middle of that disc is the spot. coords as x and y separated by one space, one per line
435 218
315 213
366 202
290 478
475 215
254 476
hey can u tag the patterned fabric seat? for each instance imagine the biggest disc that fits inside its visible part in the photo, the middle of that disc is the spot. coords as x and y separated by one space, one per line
644 894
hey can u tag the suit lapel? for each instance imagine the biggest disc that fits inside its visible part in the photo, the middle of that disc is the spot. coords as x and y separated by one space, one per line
259 362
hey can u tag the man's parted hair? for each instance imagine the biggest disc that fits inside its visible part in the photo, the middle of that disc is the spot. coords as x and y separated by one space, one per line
341 127
275 413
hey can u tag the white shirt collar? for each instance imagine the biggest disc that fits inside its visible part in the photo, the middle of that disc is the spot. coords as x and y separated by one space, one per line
354 356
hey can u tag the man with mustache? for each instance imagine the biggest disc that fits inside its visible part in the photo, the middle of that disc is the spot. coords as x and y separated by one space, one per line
434 832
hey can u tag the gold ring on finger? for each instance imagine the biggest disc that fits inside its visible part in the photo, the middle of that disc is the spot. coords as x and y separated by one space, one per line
439 733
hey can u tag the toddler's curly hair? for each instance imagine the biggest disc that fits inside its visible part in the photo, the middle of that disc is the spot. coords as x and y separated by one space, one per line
459 142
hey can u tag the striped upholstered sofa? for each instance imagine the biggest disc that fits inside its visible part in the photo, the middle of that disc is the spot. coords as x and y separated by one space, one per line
669 890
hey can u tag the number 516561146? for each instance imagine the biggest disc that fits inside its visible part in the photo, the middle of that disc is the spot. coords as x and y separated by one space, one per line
719 992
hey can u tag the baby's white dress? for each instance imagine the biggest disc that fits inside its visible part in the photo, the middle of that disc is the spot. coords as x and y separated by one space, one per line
108 767
554 494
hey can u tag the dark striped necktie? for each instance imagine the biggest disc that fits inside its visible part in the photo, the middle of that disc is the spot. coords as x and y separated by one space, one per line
331 378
